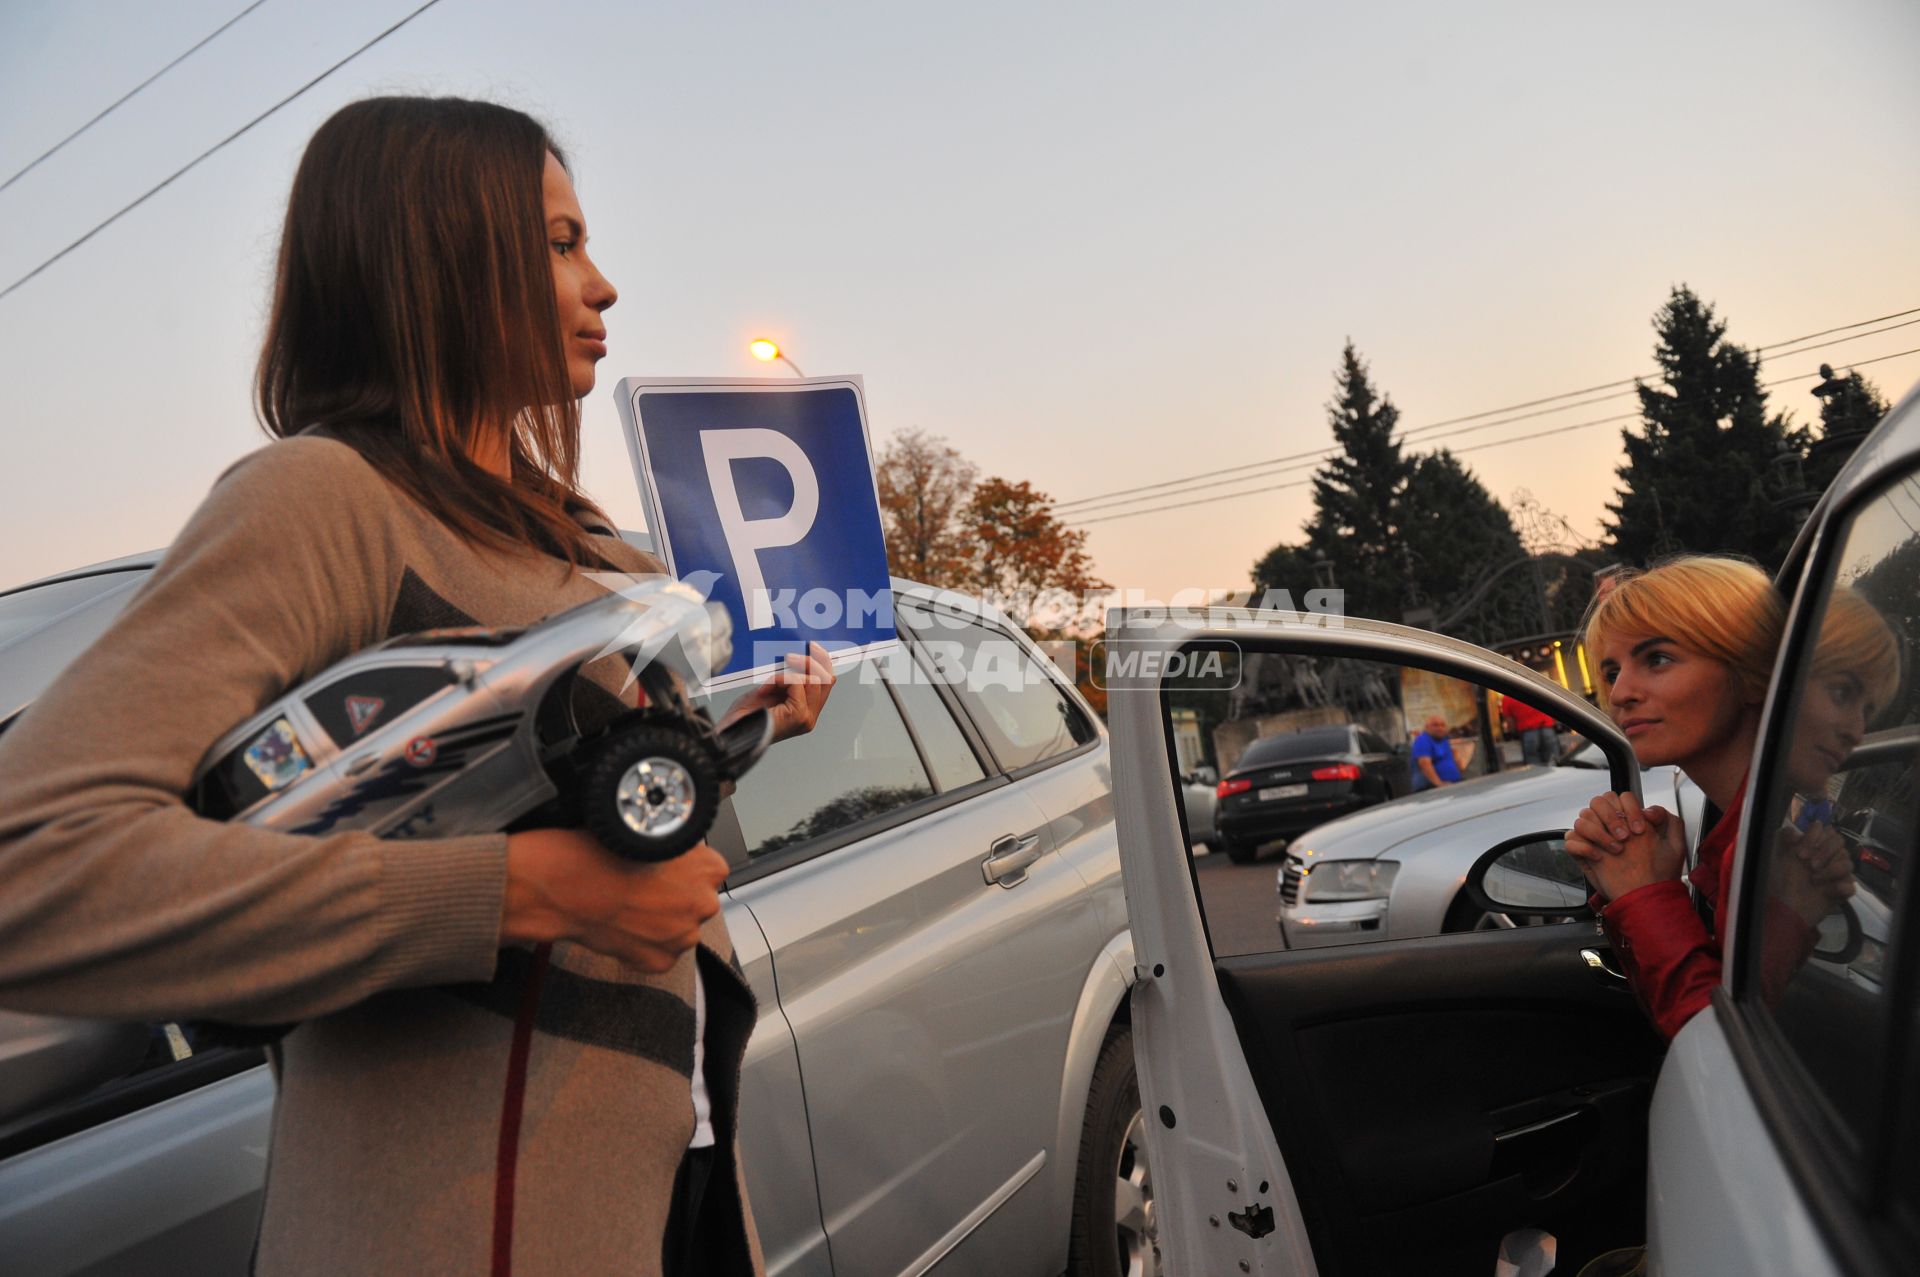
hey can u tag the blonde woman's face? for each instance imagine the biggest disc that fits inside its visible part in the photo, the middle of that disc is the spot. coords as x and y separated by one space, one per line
1673 704
580 292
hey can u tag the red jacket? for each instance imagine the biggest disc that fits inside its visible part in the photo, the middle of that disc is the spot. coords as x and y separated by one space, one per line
1671 960
1522 716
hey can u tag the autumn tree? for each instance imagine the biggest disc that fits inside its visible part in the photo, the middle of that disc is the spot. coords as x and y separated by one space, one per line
1700 473
1018 548
924 487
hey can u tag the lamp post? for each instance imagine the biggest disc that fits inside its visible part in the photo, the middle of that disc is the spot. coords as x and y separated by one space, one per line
766 350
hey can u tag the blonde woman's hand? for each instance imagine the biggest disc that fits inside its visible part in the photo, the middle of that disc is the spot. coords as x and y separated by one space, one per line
1622 846
1811 871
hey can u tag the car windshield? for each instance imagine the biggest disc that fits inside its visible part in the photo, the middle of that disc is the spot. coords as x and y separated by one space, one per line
1311 743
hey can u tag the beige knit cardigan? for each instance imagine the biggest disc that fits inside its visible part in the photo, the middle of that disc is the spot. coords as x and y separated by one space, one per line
118 901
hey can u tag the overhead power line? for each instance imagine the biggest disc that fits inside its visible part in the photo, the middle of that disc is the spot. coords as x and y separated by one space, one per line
1620 388
120 101
193 163
1494 443
1307 460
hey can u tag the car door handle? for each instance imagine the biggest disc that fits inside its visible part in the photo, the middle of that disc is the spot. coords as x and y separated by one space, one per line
1008 858
1596 961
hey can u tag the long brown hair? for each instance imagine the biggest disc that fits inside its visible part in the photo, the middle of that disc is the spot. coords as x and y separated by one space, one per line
414 317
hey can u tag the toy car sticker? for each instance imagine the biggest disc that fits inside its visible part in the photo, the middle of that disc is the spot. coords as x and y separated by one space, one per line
275 756
421 751
362 710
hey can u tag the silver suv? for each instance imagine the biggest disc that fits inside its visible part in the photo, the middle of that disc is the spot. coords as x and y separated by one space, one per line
928 908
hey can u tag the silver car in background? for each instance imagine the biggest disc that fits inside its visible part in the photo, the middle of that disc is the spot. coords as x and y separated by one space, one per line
928 909
1396 870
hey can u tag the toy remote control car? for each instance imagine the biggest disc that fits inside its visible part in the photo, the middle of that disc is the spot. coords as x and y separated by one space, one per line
463 731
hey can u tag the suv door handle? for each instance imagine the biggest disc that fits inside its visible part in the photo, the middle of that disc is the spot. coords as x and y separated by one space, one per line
1008 858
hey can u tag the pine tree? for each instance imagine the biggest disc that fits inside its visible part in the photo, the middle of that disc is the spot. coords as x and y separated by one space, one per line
1356 497
1850 406
1398 528
1458 537
1702 473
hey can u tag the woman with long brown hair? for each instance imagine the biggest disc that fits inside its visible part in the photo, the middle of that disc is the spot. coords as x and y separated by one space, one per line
491 1064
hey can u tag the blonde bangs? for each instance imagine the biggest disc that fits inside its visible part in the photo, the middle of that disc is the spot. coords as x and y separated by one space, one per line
1724 609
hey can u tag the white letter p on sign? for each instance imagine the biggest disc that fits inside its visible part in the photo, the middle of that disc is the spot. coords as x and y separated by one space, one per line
747 537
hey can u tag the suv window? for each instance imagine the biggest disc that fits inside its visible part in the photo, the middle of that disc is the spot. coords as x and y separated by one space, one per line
1833 829
1024 714
858 762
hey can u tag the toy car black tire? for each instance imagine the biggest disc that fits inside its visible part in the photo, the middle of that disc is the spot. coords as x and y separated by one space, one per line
649 792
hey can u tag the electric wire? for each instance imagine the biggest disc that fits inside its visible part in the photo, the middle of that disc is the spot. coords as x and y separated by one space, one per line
120 101
1619 389
1307 460
1493 443
10 289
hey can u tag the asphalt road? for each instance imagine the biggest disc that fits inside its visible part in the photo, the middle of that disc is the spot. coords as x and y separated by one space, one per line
1239 902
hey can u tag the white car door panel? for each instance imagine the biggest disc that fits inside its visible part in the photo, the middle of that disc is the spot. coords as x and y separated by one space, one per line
1225 1046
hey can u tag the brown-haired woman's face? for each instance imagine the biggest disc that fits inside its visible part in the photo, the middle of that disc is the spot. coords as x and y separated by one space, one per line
580 291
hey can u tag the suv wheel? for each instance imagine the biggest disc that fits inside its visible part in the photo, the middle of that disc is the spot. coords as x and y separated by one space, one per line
1238 852
1114 1230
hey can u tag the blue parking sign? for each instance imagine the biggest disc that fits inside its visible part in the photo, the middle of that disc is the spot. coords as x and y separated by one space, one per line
763 494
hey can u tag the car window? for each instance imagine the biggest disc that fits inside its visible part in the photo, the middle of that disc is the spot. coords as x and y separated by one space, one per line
24 611
941 741
1288 745
1015 702
1315 843
858 762
1834 827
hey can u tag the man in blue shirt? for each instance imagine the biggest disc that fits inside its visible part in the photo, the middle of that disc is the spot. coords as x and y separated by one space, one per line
1433 761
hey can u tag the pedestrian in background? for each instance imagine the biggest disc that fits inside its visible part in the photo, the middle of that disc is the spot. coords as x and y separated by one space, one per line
1433 761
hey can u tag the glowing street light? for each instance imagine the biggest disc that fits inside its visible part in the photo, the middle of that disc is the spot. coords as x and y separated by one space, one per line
766 350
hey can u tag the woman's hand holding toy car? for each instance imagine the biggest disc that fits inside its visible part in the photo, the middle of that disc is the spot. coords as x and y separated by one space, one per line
563 885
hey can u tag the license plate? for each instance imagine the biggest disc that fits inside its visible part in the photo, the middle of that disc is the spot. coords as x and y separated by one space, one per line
1282 791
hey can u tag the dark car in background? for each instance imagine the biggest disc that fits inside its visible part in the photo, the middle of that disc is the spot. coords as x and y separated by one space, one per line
1285 784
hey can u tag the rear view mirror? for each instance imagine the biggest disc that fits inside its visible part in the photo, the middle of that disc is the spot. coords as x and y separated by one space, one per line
1530 876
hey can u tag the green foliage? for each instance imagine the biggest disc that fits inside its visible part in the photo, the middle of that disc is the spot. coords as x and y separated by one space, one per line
1399 530
1850 408
1356 497
1703 472
1458 536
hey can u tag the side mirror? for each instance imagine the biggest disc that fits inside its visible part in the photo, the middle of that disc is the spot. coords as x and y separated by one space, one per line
1403 747
1839 937
1530 876
1205 776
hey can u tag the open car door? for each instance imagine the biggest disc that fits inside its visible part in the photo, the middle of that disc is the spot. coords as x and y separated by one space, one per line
1388 1107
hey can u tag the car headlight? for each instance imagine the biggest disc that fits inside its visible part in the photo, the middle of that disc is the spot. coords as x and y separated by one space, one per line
1348 880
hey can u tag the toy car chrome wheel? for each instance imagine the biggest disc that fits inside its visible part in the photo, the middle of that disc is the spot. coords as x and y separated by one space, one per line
650 791
655 797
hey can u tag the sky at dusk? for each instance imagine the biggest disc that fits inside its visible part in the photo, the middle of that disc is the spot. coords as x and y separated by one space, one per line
1093 246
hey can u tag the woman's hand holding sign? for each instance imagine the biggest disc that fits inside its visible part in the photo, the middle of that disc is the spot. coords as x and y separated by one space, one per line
794 696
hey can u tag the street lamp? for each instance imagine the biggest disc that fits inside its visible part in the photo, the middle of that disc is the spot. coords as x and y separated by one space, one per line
766 350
